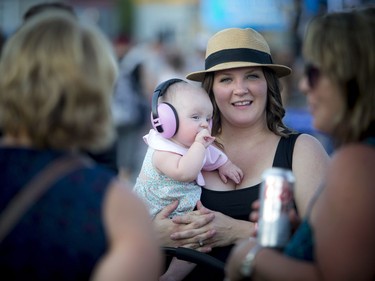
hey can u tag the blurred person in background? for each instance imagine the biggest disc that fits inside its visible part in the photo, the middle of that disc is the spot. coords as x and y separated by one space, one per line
130 108
106 157
47 6
336 238
56 82
243 84
142 68
2 39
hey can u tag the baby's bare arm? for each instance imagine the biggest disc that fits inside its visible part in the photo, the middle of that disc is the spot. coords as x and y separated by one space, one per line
229 170
184 167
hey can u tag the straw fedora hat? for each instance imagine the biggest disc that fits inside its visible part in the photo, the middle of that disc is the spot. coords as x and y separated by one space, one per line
237 47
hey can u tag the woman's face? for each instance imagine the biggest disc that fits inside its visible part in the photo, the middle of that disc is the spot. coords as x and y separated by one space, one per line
324 100
241 95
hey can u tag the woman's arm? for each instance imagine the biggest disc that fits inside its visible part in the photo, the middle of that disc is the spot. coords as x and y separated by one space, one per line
268 265
184 168
343 217
131 239
310 164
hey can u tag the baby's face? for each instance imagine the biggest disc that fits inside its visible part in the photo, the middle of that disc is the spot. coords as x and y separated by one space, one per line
194 110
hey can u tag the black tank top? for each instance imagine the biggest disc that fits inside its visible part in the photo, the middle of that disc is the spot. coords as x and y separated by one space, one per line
237 203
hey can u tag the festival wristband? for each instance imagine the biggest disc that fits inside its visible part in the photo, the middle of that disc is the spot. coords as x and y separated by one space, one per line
248 262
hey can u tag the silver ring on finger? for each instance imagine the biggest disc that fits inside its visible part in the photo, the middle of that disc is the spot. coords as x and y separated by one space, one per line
201 244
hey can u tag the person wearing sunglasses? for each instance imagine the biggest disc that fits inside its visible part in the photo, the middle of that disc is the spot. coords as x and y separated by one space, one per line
336 238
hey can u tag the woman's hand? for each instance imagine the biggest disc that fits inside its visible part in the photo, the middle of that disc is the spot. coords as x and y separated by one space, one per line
220 230
164 226
227 230
184 231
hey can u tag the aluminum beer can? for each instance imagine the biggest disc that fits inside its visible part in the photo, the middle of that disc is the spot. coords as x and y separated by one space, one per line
276 200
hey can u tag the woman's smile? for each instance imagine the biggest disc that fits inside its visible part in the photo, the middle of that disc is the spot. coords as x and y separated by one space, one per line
242 103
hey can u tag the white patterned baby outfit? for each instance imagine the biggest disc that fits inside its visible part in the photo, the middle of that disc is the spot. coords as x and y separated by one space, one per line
158 190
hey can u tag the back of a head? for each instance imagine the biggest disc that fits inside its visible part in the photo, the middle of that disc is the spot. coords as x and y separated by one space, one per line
56 82
342 44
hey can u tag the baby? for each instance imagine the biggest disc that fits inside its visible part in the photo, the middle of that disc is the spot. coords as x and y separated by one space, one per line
179 148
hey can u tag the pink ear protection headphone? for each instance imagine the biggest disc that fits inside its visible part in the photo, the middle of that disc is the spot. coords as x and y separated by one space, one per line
164 118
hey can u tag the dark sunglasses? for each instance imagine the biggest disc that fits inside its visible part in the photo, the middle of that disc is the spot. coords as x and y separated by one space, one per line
313 74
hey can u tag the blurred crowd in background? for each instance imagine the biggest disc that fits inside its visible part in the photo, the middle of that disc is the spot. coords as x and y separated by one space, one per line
155 40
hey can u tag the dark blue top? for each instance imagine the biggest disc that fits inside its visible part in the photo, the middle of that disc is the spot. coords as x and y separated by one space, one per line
61 237
301 244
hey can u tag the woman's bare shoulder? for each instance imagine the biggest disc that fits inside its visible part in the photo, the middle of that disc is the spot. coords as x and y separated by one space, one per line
309 150
353 165
306 141
355 156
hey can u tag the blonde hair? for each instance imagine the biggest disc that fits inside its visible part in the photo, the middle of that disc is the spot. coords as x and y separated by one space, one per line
342 46
56 81
173 93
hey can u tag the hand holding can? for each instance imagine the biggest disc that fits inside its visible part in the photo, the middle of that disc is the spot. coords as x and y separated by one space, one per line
276 200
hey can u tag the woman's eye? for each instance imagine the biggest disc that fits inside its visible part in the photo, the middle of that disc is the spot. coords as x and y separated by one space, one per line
252 76
225 79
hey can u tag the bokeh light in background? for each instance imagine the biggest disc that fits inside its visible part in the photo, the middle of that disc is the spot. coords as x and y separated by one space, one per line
261 15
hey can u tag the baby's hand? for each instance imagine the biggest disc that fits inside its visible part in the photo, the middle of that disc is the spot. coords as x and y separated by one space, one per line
205 138
229 170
